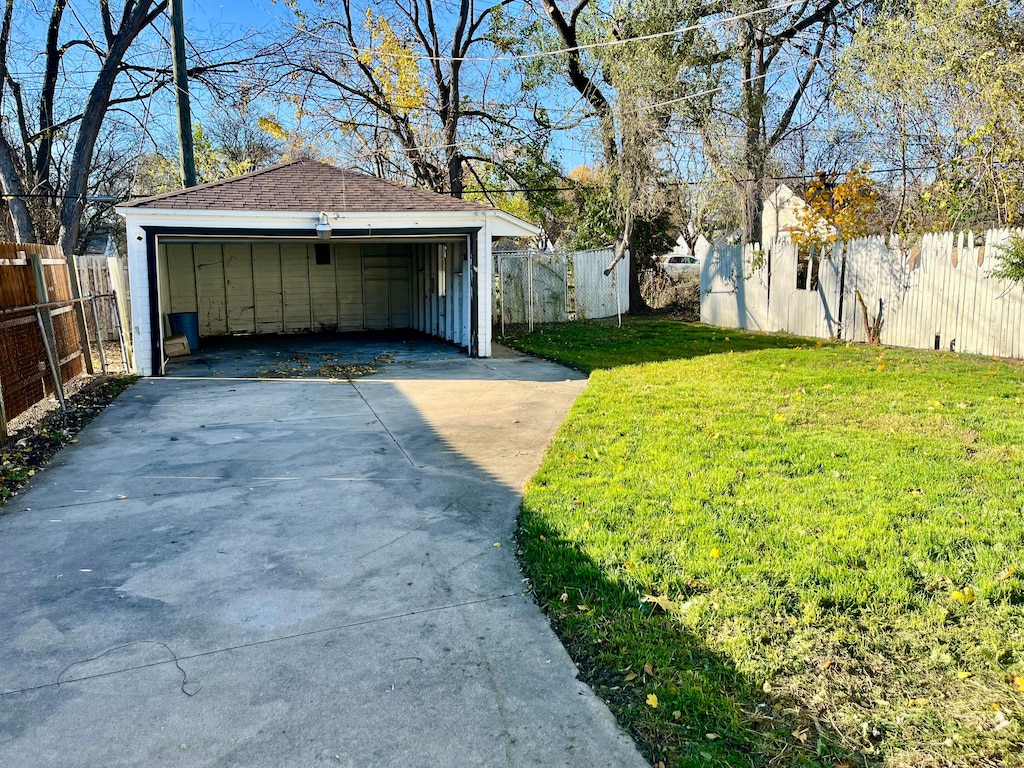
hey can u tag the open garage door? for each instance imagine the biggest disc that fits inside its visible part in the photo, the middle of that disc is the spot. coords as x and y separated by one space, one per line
288 287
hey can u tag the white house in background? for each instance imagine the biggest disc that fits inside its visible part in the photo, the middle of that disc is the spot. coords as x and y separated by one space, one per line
780 214
304 246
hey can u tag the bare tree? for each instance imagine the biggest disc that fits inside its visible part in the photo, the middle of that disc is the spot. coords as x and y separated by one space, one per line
27 153
408 87
50 133
750 77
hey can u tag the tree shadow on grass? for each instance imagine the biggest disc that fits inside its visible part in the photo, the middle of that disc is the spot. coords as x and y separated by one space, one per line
706 712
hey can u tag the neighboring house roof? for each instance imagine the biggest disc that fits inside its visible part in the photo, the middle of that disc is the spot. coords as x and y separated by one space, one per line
304 186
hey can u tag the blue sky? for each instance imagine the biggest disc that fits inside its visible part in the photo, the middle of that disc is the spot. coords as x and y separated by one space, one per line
232 18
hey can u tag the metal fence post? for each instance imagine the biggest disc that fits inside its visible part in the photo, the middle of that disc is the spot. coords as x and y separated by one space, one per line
51 358
3 413
529 288
99 340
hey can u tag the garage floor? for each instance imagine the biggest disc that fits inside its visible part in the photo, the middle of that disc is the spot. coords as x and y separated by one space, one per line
293 572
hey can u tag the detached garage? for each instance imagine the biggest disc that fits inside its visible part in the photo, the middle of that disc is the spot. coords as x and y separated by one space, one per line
304 246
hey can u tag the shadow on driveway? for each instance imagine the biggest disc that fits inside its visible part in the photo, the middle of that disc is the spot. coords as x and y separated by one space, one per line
231 571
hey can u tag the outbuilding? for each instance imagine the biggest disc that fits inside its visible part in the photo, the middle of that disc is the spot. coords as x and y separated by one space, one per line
305 246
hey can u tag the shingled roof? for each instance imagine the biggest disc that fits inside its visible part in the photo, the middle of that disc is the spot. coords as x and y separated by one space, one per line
306 185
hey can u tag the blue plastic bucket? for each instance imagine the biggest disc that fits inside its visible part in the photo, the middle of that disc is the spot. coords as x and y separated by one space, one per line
188 324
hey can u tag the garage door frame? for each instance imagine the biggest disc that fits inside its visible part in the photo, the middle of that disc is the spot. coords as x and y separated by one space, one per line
153 235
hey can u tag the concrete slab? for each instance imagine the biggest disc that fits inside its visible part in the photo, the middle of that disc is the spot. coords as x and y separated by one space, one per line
240 572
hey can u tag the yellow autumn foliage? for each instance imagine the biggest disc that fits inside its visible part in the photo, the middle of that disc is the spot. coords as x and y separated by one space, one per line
394 66
837 210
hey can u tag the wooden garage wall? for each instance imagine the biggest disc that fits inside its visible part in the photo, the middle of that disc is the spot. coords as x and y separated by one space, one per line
265 287
440 312
260 287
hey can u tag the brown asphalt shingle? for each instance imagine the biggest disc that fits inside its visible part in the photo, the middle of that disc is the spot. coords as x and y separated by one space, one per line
306 185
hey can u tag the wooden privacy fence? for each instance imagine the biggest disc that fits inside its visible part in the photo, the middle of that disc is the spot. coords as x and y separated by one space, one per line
938 293
44 336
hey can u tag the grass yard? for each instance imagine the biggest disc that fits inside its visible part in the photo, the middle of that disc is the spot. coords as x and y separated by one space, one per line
762 550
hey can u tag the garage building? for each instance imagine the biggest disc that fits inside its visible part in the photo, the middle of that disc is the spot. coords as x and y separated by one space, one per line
304 246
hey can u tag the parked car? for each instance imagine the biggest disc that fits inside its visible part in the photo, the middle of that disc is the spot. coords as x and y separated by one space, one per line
678 267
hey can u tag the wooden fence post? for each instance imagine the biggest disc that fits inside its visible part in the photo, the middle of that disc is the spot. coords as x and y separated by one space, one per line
45 320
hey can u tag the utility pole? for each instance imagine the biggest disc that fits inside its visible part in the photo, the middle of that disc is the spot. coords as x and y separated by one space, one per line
188 159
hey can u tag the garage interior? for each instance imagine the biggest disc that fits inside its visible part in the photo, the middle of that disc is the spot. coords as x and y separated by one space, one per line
273 286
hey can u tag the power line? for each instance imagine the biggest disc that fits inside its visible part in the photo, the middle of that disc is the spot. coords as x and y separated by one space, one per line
541 54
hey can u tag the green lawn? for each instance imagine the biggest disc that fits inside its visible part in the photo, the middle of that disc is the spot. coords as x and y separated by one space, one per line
809 554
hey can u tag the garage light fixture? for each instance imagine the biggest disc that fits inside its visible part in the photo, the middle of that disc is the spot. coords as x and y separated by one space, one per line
323 229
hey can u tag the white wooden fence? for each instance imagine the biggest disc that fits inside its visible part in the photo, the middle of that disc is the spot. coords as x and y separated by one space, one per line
102 275
935 294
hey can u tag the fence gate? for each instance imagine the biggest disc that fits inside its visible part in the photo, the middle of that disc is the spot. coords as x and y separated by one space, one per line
531 287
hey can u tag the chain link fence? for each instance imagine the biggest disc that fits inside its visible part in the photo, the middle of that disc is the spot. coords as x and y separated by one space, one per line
537 287
530 287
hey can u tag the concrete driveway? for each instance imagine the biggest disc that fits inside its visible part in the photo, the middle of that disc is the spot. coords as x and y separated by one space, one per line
239 572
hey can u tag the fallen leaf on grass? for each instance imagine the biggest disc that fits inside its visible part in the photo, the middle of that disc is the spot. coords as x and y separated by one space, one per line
965 595
1018 682
963 675
630 677
652 701
649 669
1006 573
659 600
801 734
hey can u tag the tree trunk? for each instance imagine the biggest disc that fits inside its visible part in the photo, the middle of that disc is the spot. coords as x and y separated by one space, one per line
21 220
753 209
92 120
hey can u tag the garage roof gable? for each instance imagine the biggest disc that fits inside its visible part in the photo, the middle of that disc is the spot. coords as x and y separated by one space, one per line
307 186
